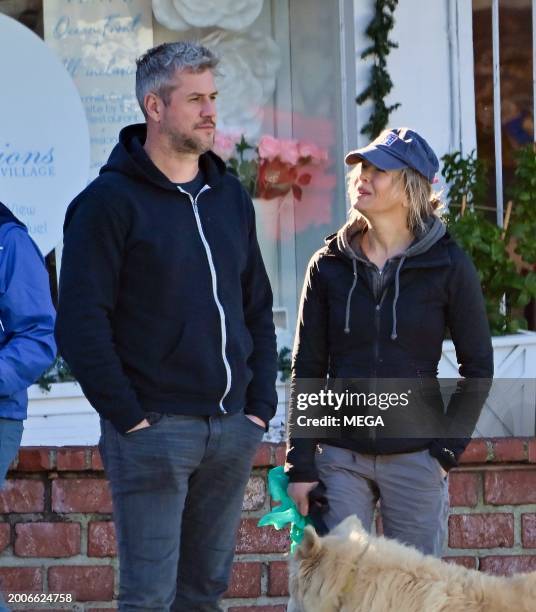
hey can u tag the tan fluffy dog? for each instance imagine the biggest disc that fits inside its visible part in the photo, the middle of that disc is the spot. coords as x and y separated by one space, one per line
352 571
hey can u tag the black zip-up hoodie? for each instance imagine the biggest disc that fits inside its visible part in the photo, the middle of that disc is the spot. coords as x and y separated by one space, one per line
357 323
165 305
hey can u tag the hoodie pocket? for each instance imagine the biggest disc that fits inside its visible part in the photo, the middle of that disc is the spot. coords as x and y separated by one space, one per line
193 365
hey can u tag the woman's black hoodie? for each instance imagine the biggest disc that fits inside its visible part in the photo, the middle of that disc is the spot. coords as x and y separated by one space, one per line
357 323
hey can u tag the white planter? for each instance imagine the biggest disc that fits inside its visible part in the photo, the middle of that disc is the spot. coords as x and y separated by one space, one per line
60 417
63 416
511 406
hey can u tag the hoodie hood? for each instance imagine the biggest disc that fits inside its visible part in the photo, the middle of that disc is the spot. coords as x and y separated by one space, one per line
434 230
129 157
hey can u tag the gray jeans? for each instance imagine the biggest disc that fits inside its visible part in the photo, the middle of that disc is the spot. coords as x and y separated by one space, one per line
412 489
177 490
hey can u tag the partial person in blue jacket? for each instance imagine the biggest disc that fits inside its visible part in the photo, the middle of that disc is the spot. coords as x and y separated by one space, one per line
27 345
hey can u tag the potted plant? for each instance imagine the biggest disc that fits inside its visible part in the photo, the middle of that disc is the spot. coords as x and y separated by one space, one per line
504 259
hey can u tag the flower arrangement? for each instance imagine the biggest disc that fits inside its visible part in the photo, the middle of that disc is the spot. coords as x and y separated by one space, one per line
274 167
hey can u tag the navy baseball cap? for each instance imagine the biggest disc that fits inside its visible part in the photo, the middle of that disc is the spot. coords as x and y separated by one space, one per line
398 148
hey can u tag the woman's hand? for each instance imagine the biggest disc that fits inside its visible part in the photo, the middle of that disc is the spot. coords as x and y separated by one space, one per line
299 491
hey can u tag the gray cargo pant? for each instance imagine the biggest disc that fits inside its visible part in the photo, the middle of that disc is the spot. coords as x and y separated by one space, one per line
412 489
177 490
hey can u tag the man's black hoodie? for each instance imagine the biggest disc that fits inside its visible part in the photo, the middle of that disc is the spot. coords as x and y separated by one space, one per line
165 305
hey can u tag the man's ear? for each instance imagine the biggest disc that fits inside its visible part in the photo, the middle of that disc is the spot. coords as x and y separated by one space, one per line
310 545
153 106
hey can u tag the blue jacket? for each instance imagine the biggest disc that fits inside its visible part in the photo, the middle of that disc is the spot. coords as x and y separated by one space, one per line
27 344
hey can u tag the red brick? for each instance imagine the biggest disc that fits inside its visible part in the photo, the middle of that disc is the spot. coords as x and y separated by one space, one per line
278 579
263 456
87 583
510 449
255 494
532 450
81 495
463 488
21 495
253 539
258 609
528 530
510 487
35 460
280 454
101 539
469 562
72 459
477 451
245 580
47 539
96 460
481 530
5 534
507 565
21 579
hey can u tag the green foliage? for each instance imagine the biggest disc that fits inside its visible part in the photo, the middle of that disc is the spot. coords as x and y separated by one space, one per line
465 177
506 291
244 166
380 81
284 362
481 239
58 372
523 222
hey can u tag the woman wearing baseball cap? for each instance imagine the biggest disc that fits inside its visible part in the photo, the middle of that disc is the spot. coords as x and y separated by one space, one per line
376 302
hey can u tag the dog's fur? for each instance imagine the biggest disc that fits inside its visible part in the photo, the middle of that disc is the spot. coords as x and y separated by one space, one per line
352 571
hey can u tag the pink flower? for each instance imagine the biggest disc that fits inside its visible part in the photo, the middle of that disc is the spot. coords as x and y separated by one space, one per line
269 147
289 152
309 149
224 145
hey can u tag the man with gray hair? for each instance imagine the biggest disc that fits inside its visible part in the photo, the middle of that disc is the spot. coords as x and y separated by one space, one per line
165 317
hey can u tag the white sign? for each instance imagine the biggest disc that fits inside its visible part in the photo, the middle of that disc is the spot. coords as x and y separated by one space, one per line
44 140
98 42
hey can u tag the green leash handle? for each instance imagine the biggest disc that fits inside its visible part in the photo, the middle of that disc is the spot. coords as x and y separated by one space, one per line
286 513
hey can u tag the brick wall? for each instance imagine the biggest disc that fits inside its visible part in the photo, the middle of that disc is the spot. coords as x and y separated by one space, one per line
56 530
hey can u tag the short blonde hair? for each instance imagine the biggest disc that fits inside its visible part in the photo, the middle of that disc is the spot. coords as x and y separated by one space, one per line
422 200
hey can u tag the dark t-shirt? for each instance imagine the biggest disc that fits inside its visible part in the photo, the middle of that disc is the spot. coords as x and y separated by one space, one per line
194 186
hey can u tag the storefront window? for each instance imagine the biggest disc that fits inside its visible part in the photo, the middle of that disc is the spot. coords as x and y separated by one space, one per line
516 84
280 86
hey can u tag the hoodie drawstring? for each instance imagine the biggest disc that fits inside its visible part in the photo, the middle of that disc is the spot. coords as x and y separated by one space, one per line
395 300
347 322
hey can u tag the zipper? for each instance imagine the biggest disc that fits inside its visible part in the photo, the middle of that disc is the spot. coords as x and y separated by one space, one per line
214 291
377 312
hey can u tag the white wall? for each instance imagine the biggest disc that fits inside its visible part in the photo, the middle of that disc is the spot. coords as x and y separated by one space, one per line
432 70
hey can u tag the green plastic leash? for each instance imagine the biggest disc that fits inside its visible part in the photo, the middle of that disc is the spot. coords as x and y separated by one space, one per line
287 512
